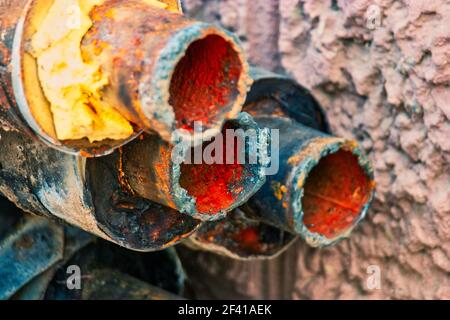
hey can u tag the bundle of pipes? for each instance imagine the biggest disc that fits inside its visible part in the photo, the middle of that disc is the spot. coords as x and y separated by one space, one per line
37 257
126 64
85 193
322 189
88 76
99 117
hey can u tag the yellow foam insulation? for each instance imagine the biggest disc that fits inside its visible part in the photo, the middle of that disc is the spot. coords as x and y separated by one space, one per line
71 85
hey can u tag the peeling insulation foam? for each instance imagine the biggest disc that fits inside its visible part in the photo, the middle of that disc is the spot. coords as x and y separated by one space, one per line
71 85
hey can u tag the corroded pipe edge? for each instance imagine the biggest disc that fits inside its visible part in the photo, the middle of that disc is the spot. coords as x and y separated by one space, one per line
194 243
18 50
308 112
305 161
83 213
186 204
46 182
154 88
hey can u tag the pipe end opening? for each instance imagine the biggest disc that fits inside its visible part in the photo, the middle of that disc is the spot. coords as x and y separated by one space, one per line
205 84
336 193
226 176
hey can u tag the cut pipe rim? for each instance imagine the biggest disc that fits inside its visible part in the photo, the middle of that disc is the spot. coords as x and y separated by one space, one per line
306 161
154 89
187 203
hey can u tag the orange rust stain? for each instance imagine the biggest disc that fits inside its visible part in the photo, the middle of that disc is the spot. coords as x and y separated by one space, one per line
265 106
204 81
278 189
98 47
334 194
9 16
123 181
86 154
162 172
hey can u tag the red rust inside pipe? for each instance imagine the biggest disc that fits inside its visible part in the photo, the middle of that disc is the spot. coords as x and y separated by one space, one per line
215 186
204 81
334 194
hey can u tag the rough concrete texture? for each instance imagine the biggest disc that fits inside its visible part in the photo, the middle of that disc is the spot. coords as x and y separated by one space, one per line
381 69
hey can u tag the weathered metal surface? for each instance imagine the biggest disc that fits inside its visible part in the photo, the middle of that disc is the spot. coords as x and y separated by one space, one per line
44 181
35 254
344 180
150 171
15 114
29 249
268 223
36 288
284 97
241 238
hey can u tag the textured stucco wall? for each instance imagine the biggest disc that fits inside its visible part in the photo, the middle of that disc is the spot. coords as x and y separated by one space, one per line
386 82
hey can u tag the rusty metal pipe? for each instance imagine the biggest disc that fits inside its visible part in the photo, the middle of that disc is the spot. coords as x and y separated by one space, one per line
85 193
165 73
31 250
241 238
204 191
324 184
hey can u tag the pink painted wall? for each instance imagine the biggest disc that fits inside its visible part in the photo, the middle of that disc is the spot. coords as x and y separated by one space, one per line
382 73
